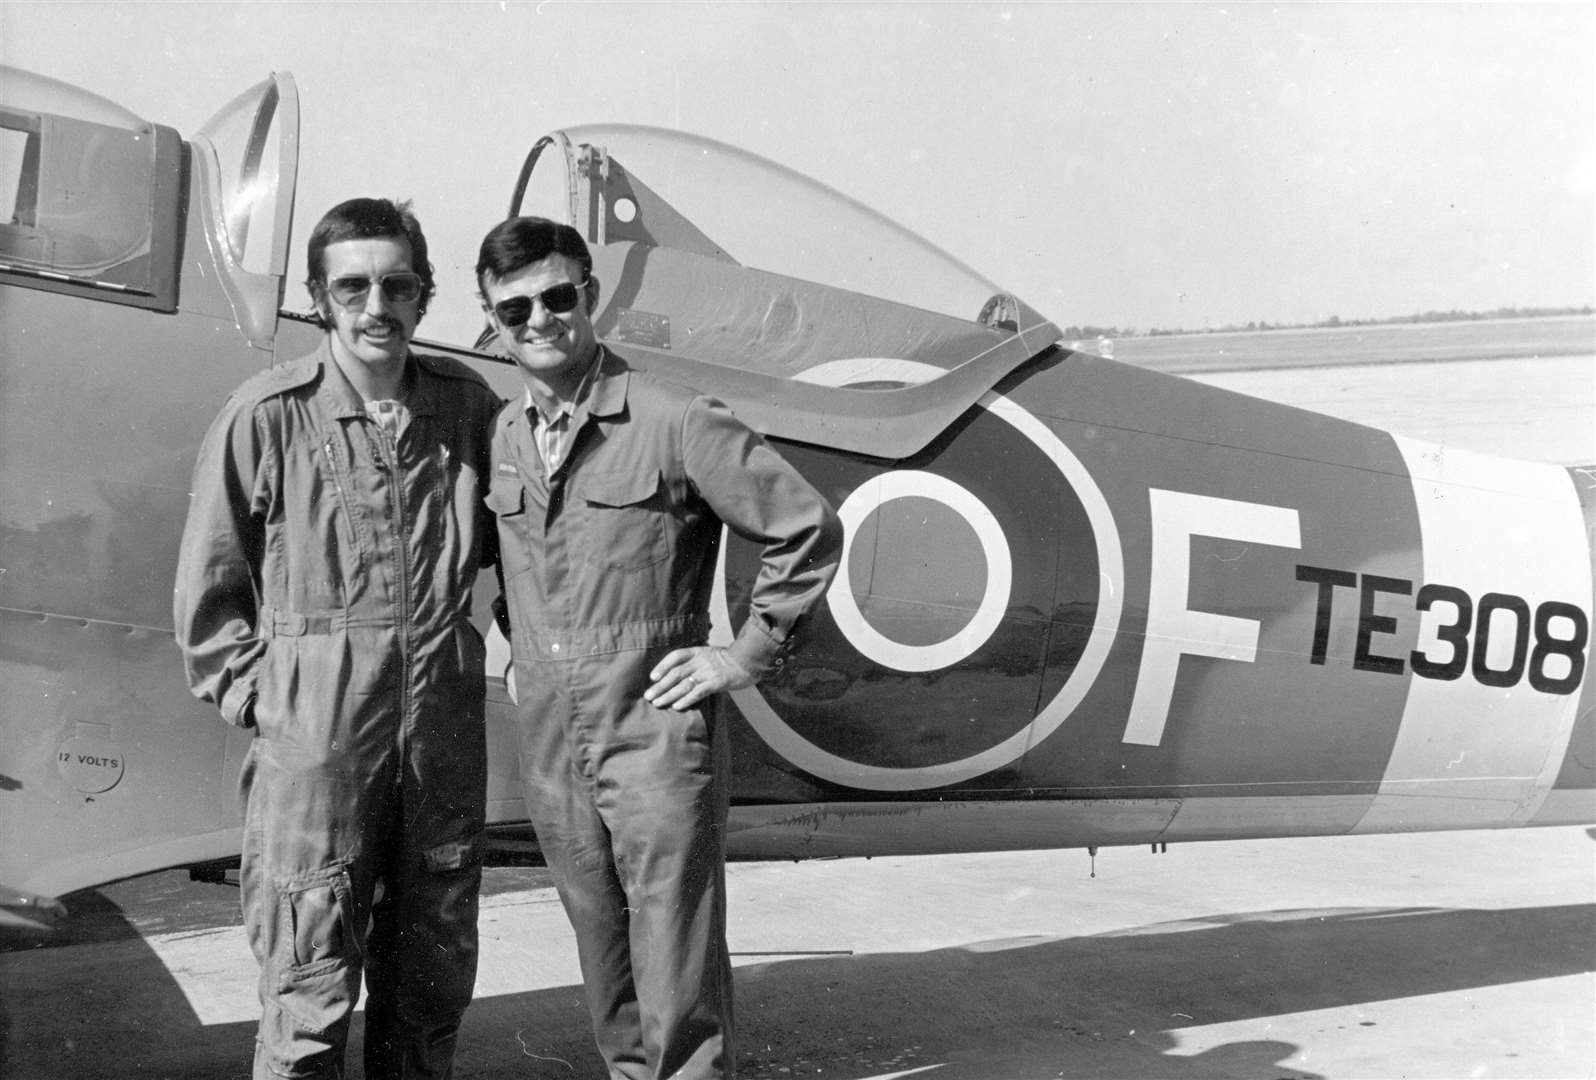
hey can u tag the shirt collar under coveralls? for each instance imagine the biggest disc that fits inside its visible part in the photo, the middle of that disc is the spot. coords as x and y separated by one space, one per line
554 429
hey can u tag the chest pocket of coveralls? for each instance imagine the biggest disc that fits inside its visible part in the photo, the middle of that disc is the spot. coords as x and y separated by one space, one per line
507 499
624 519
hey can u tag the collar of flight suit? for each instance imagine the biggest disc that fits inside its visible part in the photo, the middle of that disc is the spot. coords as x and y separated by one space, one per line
606 398
343 401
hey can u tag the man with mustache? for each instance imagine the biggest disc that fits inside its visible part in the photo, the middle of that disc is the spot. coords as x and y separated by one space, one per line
611 490
323 600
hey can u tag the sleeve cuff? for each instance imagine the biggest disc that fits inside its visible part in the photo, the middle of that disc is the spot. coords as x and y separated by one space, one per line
757 652
238 705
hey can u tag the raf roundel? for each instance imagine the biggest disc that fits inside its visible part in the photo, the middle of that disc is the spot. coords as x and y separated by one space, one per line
979 578
856 513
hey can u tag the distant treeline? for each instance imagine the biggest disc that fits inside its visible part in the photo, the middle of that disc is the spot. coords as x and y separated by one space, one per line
1083 332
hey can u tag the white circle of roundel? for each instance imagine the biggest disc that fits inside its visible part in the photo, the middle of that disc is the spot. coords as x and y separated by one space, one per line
1111 574
857 508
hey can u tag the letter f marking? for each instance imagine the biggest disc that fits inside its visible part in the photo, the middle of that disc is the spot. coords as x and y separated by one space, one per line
1173 628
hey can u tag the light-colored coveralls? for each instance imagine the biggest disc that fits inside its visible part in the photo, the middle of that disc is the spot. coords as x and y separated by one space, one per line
608 565
323 596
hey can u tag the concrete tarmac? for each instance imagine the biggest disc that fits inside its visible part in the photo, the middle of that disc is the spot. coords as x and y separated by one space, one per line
1531 408
1439 955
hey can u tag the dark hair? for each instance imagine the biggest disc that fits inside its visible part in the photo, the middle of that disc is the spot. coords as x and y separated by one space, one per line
521 241
367 219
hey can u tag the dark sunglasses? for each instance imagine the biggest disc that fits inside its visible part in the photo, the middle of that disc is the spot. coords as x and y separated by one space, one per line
557 300
399 288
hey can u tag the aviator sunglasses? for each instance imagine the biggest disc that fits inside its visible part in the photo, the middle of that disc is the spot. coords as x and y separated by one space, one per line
397 288
557 300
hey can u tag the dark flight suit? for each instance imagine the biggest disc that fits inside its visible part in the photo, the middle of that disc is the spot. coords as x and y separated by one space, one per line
608 565
323 595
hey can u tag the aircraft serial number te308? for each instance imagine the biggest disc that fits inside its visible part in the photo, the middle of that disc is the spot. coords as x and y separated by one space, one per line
1549 645
1551 621
1081 603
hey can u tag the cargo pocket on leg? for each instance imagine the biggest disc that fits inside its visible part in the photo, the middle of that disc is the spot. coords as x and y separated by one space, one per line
318 948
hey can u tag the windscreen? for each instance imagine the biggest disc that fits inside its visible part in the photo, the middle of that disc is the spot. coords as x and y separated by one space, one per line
245 139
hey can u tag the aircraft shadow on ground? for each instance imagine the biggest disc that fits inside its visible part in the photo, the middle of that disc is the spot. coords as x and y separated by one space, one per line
1098 1006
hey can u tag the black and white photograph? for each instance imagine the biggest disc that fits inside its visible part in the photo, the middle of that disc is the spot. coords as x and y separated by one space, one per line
797 541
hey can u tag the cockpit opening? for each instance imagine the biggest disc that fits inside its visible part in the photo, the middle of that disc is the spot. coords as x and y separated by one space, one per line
726 258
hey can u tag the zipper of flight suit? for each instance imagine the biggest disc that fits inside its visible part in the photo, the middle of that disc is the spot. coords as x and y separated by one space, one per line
388 446
344 504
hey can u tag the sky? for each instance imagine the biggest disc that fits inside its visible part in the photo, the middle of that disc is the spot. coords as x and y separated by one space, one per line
1130 165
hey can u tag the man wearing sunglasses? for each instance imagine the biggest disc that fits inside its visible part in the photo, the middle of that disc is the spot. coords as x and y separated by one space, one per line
323 599
611 489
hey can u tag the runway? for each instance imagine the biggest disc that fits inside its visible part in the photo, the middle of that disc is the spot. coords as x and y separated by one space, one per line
1418 956
1534 408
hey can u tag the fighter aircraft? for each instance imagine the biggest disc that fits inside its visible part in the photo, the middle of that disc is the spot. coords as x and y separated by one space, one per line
1081 603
